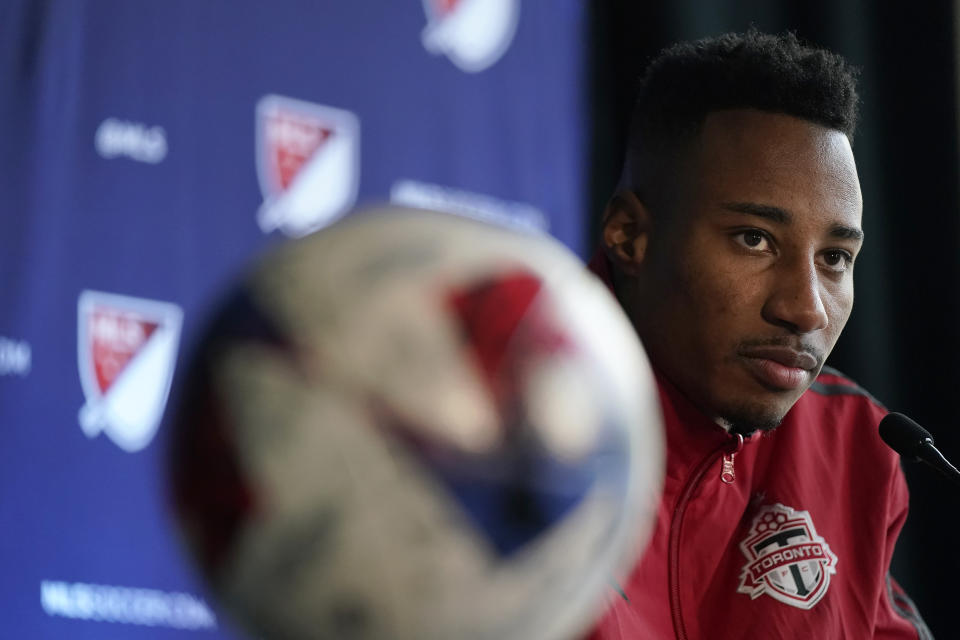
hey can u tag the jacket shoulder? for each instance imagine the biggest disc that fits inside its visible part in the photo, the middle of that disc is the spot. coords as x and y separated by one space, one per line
832 383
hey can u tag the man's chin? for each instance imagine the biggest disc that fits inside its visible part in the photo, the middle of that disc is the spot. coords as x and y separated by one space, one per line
747 419
748 427
748 410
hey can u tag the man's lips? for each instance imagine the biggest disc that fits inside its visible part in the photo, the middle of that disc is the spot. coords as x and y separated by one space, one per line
786 356
781 368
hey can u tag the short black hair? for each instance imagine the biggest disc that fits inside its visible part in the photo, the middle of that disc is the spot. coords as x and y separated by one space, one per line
752 70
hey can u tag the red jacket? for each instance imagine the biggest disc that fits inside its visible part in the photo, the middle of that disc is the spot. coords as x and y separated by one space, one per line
796 545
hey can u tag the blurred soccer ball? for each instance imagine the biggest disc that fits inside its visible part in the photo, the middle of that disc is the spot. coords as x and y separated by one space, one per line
412 425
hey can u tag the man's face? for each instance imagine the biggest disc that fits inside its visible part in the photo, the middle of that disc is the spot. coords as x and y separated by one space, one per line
741 296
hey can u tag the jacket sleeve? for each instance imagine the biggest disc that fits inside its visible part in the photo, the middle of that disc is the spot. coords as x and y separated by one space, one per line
897 617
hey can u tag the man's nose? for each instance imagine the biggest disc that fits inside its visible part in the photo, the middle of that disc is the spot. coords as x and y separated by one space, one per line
796 301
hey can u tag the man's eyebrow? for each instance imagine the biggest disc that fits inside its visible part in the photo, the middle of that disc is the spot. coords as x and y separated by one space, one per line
776 214
847 233
782 216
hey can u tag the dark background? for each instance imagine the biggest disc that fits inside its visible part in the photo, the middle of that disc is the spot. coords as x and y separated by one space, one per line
902 342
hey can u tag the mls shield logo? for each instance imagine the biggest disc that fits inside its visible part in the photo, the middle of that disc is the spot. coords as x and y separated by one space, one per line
786 559
308 164
472 33
127 350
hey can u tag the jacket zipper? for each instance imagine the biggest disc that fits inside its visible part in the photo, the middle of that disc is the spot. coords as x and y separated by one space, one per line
727 472
726 454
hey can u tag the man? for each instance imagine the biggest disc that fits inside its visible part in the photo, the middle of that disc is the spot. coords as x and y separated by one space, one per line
731 243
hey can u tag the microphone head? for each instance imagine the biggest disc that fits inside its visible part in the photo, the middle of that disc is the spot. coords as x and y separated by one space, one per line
903 435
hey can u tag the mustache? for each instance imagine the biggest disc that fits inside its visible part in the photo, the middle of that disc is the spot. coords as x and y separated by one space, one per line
794 344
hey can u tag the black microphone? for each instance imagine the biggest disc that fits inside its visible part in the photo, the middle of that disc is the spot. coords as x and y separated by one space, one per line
915 443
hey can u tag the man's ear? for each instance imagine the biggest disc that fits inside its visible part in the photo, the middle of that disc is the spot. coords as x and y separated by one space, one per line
626 229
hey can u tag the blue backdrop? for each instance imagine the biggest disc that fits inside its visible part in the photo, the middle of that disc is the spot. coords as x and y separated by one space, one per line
147 152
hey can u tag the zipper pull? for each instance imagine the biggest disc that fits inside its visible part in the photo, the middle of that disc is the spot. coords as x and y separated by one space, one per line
727 472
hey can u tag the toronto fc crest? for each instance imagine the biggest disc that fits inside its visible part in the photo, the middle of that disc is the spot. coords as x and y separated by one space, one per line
786 559
127 349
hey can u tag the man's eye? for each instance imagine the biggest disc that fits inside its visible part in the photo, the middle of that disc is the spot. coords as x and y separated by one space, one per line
838 260
752 239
